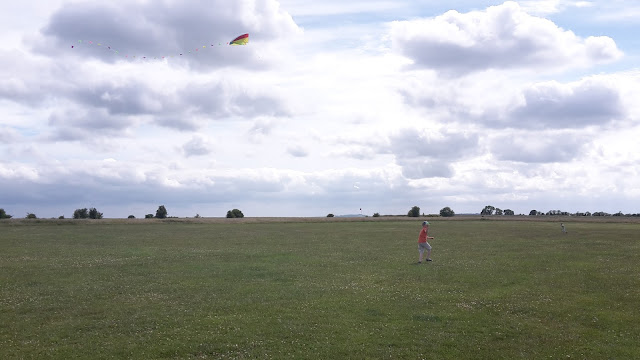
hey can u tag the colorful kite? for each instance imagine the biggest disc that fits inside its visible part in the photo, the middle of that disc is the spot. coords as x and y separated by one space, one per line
240 40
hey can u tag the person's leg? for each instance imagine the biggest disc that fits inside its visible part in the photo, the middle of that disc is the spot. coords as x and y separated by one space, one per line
428 252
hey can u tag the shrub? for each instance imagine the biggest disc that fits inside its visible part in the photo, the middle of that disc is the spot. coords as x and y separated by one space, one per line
447 212
131 217
81 213
61 217
376 215
31 216
148 216
94 214
4 215
330 215
161 213
235 213
414 212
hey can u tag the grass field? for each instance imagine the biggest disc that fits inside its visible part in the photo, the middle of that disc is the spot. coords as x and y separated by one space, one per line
325 290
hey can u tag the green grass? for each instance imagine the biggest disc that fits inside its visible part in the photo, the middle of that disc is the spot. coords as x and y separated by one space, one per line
173 290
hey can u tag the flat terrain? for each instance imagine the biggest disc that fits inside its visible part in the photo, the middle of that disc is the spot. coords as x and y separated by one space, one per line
319 288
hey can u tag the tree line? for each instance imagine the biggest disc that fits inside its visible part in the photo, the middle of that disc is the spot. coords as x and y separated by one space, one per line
491 210
93 213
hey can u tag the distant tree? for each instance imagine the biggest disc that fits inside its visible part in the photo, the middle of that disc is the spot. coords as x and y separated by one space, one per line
4 215
328 215
447 212
533 213
161 213
376 214
81 213
61 217
148 216
131 217
31 216
488 210
94 214
235 213
509 212
499 212
197 216
414 212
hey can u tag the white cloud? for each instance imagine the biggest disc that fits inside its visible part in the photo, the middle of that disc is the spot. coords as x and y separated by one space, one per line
501 37
326 8
547 7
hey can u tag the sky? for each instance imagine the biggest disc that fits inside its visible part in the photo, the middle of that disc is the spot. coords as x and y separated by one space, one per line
335 107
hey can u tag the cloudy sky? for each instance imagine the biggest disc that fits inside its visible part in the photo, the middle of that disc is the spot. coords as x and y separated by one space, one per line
333 106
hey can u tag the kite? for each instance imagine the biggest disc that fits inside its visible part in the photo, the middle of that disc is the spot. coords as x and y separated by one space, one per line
240 40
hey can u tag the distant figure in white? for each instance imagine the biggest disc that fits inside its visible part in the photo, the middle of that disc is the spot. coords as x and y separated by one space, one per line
564 230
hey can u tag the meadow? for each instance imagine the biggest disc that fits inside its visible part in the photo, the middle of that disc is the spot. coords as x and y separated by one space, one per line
318 290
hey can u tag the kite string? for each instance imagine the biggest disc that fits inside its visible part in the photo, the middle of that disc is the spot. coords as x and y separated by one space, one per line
117 52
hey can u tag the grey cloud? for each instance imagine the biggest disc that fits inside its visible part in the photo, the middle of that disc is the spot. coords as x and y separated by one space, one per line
262 127
549 105
121 184
216 101
425 154
79 125
539 147
115 188
117 106
297 151
130 99
16 89
257 105
180 122
421 169
197 146
8 135
590 102
410 143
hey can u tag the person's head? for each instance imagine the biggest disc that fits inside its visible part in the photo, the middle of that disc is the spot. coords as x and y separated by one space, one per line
425 224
